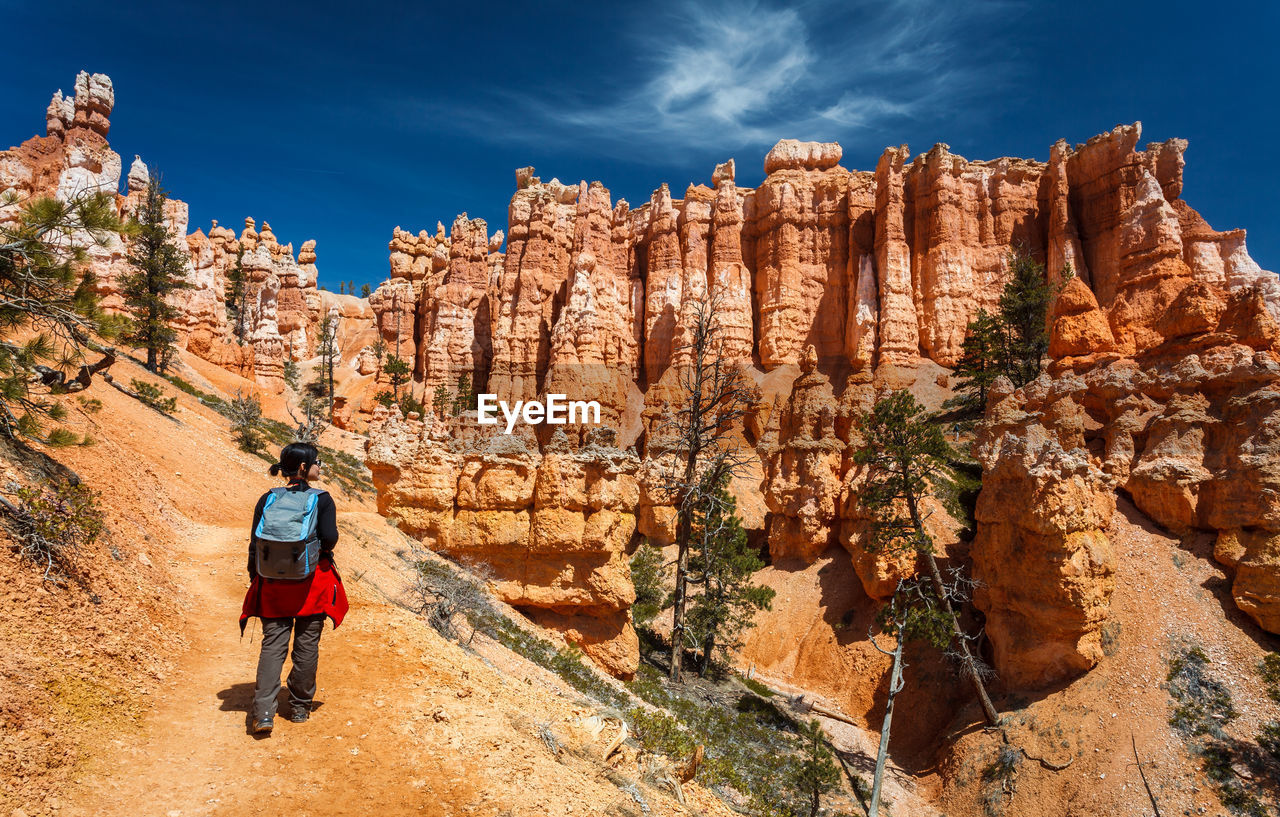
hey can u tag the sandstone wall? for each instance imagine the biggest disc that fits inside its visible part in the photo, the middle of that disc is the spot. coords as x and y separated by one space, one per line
851 280
1185 420
553 526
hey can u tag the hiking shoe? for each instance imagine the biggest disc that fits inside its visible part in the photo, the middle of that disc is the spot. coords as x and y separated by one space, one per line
262 727
299 714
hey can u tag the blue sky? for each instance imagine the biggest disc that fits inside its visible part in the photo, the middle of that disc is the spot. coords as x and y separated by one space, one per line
339 121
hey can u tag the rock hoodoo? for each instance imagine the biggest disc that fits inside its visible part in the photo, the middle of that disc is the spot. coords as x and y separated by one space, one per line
822 278
74 158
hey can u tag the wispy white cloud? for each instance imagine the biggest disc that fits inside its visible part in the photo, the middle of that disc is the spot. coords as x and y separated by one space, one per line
734 73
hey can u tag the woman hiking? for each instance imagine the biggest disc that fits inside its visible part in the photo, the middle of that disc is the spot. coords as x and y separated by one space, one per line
293 583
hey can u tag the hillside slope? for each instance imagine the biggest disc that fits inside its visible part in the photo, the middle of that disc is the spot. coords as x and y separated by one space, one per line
132 685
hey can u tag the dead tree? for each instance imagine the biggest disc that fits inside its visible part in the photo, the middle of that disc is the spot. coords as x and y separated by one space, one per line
913 613
714 396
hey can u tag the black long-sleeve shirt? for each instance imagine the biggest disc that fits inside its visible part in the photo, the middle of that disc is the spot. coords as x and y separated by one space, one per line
326 523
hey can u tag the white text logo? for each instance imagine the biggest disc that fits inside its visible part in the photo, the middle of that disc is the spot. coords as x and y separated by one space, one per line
557 411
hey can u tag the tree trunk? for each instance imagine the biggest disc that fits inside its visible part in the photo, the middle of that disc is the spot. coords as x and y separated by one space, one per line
684 532
683 529
882 756
968 666
677 616
966 658
708 650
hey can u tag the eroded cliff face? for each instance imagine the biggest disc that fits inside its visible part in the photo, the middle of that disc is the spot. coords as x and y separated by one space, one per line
1185 423
74 157
553 526
832 284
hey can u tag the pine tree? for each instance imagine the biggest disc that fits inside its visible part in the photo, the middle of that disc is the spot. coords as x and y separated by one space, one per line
365 291
342 288
697 435
159 269
441 402
47 296
648 576
1013 341
1024 309
328 351
817 773
464 399
245 413
237 298
397 372
913 613
722 562
904 451
311 403
984 357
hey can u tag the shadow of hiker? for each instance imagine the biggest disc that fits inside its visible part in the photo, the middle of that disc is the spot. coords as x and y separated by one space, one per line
239 698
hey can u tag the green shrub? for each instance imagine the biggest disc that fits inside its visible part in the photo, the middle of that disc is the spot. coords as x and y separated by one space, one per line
648 575
757 687
659 732
340 467
154 396
1269 669
1269 738
53 522
1202 708
1202 704
245 413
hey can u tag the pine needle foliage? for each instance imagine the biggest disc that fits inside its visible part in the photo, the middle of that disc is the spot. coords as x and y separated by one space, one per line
1013 341
49 312
159 270
904 451
397 371
154 396
721 564
54 522
245 413
237 299
649 576
817 773
464 398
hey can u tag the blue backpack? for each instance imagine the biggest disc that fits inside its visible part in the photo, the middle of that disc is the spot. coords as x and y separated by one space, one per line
288 547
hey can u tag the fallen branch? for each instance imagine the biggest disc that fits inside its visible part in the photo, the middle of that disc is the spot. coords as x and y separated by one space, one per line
617 741
1145 784
108 378
1048 764
831 713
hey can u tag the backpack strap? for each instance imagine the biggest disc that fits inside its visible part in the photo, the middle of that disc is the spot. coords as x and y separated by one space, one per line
272 496
311 521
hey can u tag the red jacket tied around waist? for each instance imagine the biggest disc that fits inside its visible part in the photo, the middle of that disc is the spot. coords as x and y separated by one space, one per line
320 593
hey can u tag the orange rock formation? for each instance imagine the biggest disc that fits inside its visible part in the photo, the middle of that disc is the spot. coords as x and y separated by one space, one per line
843 273
74 157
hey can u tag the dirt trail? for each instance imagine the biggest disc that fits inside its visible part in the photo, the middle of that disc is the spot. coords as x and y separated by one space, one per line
193 754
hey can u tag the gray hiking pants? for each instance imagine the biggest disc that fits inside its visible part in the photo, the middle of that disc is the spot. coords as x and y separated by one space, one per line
306 654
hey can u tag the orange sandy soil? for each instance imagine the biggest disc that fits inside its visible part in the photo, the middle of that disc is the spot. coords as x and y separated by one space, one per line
136 703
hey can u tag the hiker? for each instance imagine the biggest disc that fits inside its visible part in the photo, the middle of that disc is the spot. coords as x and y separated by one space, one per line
293 583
